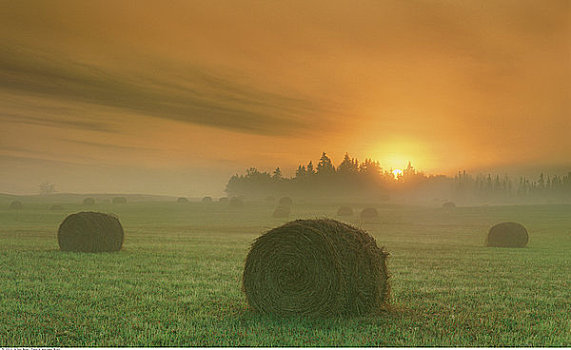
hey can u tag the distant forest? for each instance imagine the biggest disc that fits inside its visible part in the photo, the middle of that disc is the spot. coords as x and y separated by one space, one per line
369 180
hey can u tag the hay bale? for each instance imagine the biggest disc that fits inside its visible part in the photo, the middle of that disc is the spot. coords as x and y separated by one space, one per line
90 232
223 199
16 205
56 207
448 205
369 214
507 235
207 199
282 212
119 200
182 200
316 267
345 211
89 201
285 202
236 202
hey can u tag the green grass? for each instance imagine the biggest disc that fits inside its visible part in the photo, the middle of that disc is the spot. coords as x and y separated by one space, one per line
177 280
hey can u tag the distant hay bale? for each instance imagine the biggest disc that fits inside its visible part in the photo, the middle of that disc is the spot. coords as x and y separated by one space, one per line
369 214
345 211
449 205
317 267
236 202
207 199
182 200
56 207
223 199
285 202
507 235
281 212
16 205
90 232
119 200
89 201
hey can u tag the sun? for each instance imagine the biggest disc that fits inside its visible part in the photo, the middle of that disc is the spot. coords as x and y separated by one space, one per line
397 173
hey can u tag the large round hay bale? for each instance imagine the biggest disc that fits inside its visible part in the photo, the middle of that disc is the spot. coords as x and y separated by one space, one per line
285 202
507 235
316 267
89 201
449 205
281 212
369 214
119 200
236 202
16 205
207 199
90 232
182 200
56 207
345 211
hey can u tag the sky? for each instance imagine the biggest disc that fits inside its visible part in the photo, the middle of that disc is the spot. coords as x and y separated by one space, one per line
174 97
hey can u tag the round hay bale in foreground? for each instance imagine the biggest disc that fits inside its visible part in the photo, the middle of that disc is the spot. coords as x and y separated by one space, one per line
182 200
285 202
16 205
236 202
206 199
449 205
90 232
56 207
281 212
119 200
345 211
507 235
369 214
316 267
89 201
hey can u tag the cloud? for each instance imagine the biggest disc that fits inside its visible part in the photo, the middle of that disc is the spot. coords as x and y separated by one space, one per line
188 94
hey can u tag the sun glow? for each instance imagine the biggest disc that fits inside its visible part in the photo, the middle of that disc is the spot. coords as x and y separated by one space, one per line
397 173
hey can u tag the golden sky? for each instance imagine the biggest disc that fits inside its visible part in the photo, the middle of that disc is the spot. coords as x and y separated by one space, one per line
174 97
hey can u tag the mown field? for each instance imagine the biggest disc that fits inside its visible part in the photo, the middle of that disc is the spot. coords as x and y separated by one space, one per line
177 280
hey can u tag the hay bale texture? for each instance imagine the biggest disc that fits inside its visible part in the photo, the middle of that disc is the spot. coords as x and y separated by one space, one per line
16 205
207 199
345 211
119 200
89 201
369 214
316 267
182 200
449 205
507 235
90 232
282 212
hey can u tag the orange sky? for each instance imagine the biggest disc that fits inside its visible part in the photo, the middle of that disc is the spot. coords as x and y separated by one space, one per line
174 97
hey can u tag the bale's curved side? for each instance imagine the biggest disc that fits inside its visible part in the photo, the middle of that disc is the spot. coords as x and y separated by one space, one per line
316 267
16 205
369 213
90 232
281 212
182 200
207 199
223 199
449 205
345 211
507 235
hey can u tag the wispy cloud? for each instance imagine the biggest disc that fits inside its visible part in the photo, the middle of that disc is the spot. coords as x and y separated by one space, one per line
187 94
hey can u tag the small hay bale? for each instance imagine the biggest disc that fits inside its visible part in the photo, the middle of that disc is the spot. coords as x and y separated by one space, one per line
285 202
16 205
369 214
56 207
89 201
119 200
345 211
236 202
207 199
90 232
182 200
281 212
448 205
316 267
507 235
223 199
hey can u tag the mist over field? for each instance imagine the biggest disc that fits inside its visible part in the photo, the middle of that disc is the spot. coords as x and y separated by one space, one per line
324 173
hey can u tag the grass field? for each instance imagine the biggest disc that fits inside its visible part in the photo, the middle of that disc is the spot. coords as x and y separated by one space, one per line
177 280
